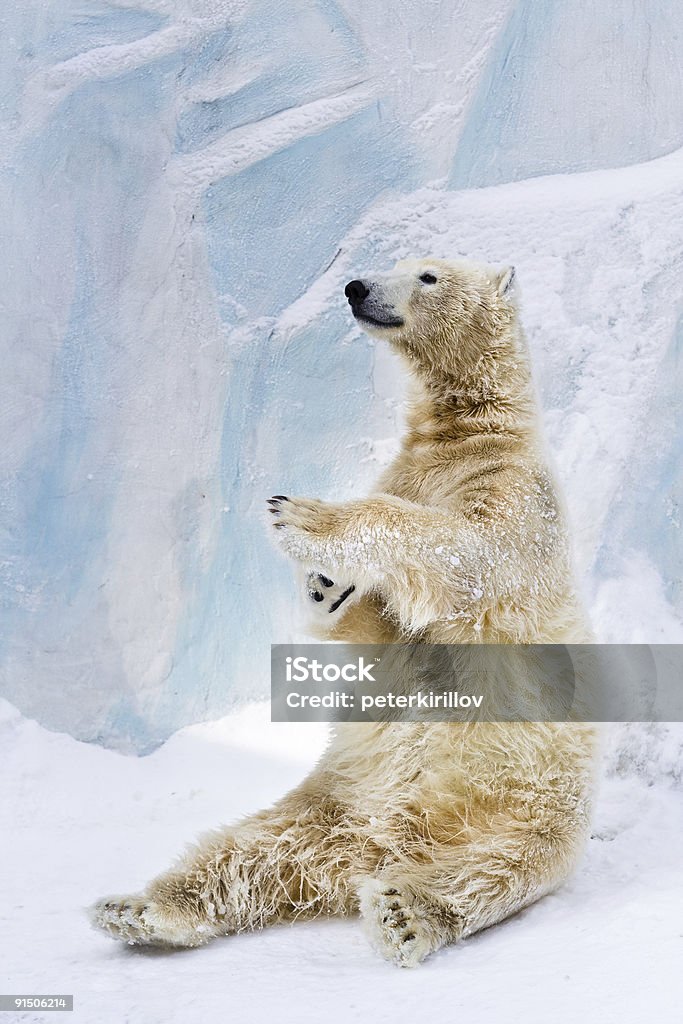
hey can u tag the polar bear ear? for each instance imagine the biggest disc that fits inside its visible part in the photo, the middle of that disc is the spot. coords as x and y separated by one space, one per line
506 280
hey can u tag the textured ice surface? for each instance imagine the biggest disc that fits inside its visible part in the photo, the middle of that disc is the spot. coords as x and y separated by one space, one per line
176 178
570 86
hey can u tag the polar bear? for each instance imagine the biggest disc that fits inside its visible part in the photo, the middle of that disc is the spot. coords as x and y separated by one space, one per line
431 830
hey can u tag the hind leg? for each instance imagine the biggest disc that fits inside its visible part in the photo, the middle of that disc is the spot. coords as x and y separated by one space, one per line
403 922
413 909
277 865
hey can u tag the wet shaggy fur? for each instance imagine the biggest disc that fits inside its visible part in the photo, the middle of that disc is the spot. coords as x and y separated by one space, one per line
432 831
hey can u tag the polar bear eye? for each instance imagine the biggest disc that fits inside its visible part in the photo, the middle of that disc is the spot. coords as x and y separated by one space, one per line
427 278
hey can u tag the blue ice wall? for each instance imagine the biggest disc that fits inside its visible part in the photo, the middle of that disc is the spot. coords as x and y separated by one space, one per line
174 176
570 86
648 515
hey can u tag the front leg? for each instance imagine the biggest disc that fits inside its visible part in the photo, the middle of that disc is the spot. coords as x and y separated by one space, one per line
317 533
310 527
430 563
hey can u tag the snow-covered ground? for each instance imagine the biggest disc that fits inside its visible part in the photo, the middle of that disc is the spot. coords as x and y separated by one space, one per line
79 822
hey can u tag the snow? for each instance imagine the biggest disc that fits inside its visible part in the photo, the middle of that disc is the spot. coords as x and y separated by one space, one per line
79 821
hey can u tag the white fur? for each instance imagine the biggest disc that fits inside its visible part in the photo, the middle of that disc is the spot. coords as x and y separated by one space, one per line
431 831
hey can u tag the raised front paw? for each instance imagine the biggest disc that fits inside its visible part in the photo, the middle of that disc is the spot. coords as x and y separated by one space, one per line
306 514
327 596
307 529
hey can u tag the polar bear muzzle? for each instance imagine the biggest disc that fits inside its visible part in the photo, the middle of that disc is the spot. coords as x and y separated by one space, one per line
369 306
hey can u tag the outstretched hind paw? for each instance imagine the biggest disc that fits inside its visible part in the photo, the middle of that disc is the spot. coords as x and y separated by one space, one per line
140 921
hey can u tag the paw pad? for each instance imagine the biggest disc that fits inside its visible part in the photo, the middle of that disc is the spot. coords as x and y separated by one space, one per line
335 597
396 927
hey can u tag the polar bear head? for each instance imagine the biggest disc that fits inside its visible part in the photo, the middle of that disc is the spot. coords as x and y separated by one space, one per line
442 314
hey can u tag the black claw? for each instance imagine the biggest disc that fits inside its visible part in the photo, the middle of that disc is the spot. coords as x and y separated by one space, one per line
279 497
275 511
326 582
279 526
340 600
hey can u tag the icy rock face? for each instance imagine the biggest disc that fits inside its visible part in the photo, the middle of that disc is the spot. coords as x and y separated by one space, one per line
569 86
187 184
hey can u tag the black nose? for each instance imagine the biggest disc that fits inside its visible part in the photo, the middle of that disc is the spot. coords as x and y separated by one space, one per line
355 292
